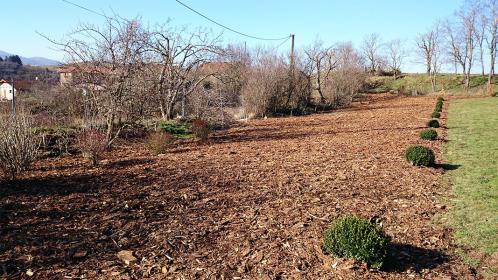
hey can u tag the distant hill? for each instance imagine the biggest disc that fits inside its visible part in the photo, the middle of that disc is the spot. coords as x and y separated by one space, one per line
34 61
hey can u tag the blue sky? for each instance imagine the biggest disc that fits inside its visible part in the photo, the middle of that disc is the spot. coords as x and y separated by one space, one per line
331 20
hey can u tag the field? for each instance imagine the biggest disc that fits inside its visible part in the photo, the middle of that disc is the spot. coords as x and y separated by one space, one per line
252 204
473 146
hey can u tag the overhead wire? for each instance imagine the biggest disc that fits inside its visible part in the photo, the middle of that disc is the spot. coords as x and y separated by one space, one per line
85 8
286 38
231 29
279 45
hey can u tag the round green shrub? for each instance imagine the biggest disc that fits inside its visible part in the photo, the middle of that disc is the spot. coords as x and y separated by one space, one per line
428 134
420 156
435 115
439 107
440 99
433 123
357 238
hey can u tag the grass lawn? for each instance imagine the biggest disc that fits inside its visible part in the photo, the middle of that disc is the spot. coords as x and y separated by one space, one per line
407 83
473 146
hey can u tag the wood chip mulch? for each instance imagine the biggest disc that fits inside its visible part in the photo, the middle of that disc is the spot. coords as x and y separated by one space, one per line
251 204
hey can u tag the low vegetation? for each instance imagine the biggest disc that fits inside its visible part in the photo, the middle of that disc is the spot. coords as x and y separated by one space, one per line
160 142
179 130
92 143
473 148
420 156
357 238
201 129
18 145
428 134
433 123
435 115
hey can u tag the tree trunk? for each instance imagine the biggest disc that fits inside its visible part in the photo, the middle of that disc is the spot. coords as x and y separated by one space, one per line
492 59
110 129
482 61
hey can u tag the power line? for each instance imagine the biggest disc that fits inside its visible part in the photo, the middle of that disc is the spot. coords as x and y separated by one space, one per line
230 29
279 45
85 8
286 38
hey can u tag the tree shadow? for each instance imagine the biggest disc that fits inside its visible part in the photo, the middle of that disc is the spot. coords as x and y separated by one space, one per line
127 162
264 135
48 186
403 257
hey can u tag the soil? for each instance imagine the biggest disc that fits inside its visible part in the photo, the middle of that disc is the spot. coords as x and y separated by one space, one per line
253 203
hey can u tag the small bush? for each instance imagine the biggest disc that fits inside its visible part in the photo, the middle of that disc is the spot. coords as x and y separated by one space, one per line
201 129
428 134
440 99
420 156
18 145
160 142
356 238
91 143
174 128
439 107
433 123
56 141
435 115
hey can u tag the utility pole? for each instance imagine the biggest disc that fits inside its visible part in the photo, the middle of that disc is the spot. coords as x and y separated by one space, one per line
292 52
13 98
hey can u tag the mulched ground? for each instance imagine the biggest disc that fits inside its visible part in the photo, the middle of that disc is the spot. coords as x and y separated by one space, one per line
253 204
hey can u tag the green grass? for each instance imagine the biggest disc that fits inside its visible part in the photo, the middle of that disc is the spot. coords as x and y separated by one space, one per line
473 145
421 83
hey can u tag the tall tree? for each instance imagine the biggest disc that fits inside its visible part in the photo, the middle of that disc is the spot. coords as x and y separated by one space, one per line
370 47
396 53
467 19
179 56
320 63
429 49
106 61
482 23
491 39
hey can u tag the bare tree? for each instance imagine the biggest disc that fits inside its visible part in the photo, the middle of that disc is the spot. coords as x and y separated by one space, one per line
396 53
348 78
429 48
480 34
272 89
371 46
456 45
425 45
104 62
177 61
491 6
468 18
320 63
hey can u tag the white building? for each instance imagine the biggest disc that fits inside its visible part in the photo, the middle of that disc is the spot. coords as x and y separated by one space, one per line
6 90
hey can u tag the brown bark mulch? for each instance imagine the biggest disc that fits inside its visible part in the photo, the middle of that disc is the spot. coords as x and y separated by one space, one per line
251 204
